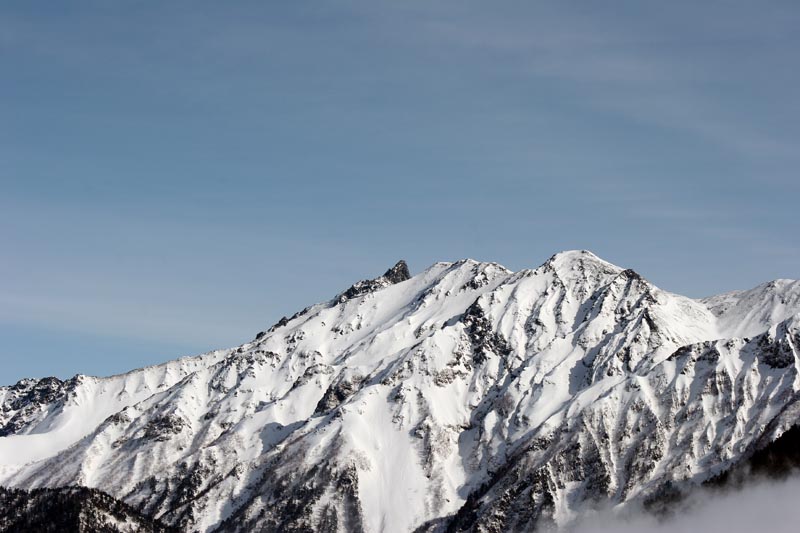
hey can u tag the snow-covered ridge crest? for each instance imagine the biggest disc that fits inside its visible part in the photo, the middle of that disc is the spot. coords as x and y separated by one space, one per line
466 396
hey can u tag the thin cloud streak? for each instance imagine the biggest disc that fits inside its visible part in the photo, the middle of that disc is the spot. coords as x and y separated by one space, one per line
619 70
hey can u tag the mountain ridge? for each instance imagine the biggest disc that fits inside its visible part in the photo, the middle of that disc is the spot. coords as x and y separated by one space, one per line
464 397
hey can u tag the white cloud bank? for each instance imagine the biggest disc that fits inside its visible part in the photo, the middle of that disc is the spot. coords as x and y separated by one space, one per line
765 506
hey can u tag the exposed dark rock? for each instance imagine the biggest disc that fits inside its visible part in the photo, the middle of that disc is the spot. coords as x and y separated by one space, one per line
663 501
282 322
73 509
776 354
28 397
337 393
398 273
775 460
164 427
285 498
484 340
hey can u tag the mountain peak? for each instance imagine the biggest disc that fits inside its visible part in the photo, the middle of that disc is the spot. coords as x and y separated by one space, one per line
399 272
570 257
570 263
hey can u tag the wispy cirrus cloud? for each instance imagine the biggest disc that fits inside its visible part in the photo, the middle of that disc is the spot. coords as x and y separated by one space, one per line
670 69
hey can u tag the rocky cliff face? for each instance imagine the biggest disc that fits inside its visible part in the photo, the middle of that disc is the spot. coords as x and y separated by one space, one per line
467 397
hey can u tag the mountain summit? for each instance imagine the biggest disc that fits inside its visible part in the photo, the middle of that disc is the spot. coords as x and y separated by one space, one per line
465 398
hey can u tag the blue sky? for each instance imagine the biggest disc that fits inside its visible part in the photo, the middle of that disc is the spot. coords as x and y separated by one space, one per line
176 176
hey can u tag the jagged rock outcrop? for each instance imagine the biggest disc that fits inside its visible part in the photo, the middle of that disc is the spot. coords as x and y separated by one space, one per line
465 398
30 397
398 273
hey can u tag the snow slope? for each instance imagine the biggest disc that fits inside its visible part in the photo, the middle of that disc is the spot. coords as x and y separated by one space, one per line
40 418
467 396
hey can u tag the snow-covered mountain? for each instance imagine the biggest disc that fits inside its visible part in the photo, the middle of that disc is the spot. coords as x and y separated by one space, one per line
467 397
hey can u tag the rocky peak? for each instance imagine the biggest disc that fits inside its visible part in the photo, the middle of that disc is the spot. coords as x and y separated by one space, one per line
398 273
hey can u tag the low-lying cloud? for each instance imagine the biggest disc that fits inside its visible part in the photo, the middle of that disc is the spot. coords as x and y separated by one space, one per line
772 506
